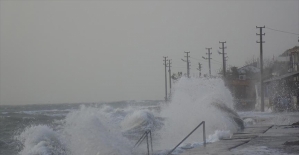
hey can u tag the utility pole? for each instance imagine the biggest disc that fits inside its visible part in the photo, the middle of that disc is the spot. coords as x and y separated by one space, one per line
223 57
188 64
225 62
209 58
199 69
261 64
165 64
169 71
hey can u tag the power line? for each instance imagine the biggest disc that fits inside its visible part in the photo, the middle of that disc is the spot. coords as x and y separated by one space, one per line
282 31
216 62
194 58
211 59
178 67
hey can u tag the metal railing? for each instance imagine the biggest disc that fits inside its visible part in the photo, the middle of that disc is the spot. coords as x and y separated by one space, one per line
204 136
148 135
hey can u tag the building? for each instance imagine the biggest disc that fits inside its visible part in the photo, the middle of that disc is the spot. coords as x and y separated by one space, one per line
282 89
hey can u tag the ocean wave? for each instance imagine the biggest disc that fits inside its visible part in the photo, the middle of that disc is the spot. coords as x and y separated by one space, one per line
138 121
191 103
83 131
40 140
104 129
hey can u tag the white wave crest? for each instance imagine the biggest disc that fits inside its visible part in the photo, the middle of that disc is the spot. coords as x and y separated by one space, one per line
41 140
83 131
138 121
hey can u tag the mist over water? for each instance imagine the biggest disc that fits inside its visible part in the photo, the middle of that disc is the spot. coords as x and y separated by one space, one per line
103 129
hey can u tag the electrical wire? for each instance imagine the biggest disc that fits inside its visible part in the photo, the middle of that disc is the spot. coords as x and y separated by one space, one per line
216 61
195 58
281 31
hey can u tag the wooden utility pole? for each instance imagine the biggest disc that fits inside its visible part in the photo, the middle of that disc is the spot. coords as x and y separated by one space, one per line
209 58
223 57
225 63
169 71
199 68
165 64
188 64
261 65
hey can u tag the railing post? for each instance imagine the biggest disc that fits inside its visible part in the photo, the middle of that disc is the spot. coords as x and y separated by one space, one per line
147 143
186 137
145 135
204 133
140 140
151 141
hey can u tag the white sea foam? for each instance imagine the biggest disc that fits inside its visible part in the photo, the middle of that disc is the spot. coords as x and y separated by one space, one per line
192 103
87 131
84 131
138 121
218 135
249 122
41 140
102 130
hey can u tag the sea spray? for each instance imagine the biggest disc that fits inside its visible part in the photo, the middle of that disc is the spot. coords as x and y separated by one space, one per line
103 129
138 121
191 103
41 140
86 131
219 134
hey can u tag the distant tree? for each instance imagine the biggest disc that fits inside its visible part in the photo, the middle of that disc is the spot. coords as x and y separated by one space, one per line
176 76
251 61
235 73
232 73
229 71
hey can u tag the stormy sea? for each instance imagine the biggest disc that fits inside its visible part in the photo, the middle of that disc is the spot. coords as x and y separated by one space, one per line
113 128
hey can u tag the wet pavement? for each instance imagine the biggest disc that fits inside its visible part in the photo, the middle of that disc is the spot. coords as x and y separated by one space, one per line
261 138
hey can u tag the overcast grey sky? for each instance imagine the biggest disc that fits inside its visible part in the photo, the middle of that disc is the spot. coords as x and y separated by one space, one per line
90 51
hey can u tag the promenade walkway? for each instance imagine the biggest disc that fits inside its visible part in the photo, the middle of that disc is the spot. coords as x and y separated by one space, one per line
260 138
